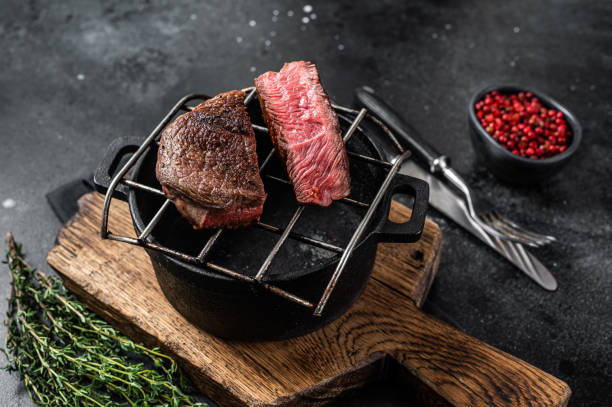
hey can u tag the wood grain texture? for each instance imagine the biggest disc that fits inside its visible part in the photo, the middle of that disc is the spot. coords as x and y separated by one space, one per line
383 333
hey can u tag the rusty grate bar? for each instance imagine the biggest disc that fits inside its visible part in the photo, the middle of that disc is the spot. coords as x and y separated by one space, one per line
346 200
266 264
370 160
147 230
209 244
143 187
269 287
354 124
296 236
250 96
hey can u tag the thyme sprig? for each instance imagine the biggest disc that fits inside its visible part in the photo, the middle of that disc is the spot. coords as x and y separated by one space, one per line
67 356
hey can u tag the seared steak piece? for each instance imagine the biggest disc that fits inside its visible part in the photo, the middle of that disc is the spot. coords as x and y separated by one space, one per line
305 131
207 164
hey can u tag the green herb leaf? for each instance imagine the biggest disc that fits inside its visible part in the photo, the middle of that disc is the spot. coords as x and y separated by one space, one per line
68 356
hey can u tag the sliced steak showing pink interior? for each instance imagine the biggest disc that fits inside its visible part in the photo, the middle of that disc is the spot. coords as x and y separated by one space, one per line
207 164
305 131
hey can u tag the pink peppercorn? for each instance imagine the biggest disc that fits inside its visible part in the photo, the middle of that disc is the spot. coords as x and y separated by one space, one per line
520 124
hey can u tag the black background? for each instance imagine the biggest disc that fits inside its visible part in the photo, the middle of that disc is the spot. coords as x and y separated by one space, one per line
75 75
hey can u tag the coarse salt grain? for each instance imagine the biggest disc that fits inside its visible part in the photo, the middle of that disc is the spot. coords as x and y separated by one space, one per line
9 203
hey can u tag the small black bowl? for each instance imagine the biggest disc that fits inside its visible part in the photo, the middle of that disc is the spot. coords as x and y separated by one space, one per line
510 167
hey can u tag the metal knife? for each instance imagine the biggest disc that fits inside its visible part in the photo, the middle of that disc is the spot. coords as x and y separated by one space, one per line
445 199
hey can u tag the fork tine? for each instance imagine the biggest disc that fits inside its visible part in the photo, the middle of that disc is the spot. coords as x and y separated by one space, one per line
534 241
520 236
493 223
511 249
521 229
516 226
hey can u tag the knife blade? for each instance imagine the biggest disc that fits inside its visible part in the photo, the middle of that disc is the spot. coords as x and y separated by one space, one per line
445 200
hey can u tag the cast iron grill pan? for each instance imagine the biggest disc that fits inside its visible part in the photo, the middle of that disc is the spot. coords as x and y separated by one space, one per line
291 241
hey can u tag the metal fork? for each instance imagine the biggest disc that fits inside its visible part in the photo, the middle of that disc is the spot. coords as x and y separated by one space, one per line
444 198
493 222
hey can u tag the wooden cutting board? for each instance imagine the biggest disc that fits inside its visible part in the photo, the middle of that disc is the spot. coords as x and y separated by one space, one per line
383 336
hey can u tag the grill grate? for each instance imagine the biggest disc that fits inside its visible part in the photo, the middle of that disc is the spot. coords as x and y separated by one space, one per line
286 232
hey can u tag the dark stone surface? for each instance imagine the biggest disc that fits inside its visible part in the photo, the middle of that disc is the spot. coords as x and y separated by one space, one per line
77 74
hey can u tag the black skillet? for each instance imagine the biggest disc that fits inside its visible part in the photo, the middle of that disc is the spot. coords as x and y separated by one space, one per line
235 309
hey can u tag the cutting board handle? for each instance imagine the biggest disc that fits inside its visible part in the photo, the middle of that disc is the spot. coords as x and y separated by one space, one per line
444 366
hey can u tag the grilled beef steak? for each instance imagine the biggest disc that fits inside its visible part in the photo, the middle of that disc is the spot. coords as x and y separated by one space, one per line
207 164
305 131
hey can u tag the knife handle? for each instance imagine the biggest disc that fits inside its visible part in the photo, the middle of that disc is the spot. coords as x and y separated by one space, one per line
407 135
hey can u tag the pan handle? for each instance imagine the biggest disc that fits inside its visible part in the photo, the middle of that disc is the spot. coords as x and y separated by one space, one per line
410 231
118 148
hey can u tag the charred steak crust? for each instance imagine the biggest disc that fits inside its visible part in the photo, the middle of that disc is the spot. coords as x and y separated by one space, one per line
207 164
305 131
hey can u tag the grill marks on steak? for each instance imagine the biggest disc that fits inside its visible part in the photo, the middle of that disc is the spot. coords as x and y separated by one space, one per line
305 131
207 164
